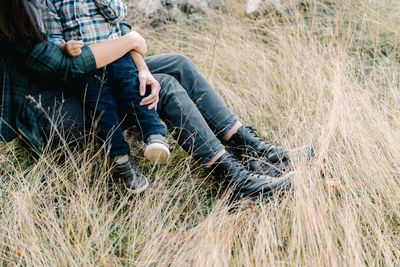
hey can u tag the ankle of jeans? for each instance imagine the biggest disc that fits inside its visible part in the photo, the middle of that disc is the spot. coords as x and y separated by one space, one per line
215 159
234 129
121 158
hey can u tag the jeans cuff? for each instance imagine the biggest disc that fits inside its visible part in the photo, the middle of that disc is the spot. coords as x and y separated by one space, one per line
119 152
161 131
212 153
229 125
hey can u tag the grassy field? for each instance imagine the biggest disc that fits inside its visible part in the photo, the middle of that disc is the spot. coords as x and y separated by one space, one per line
325 74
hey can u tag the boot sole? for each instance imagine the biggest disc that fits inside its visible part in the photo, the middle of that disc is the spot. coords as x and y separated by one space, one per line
157 153
138 190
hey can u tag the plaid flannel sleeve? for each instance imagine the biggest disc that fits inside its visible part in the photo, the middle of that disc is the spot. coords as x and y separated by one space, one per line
7 109
53 23
113 10
47 58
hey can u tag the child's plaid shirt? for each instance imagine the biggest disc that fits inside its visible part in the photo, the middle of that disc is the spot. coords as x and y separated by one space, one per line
92 21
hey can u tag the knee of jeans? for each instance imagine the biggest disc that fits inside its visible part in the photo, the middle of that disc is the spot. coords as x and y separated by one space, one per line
170 88
181 59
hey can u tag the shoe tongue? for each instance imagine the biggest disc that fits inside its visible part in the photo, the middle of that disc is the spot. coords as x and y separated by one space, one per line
122 159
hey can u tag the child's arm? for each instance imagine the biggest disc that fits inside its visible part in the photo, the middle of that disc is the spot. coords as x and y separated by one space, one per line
54 32
113 10
53 24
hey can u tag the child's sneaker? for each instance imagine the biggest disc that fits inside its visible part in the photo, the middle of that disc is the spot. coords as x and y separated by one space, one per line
126 169
157 149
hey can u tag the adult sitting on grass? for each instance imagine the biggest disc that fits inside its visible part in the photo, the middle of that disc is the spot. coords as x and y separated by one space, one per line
32 68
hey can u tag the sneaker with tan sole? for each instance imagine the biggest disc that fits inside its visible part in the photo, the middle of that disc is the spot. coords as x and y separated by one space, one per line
157 149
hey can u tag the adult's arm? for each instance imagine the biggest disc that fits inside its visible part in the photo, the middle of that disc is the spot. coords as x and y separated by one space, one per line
145 76
47 58
109 51
146 79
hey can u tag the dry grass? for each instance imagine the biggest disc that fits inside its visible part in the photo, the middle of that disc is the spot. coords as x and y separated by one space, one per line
327 76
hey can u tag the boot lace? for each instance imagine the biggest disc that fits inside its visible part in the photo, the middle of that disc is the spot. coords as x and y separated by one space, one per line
241 170
253 132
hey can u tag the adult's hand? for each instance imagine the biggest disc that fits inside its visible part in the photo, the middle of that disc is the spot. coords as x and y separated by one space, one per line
146 79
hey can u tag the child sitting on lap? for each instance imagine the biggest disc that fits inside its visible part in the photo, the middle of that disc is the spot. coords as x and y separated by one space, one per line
113 90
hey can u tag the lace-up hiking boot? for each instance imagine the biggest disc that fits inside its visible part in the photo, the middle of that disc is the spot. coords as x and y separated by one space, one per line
260 156
246 184
126 169
278 160
263 166
157 149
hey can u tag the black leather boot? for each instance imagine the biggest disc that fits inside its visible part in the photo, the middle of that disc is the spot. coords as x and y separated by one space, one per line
259 156
246 184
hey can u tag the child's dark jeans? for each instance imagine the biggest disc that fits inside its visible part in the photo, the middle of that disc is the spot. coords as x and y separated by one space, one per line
112 91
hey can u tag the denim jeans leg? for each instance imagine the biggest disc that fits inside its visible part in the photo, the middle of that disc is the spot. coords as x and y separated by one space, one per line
217 115
60 118
185 121
124 77
103 111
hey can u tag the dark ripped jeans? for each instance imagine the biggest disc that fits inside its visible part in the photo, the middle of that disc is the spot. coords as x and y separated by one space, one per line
194 113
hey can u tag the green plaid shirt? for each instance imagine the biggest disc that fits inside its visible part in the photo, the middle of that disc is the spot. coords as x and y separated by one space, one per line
24 70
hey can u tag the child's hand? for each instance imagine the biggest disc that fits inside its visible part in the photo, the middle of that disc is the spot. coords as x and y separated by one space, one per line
73 48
